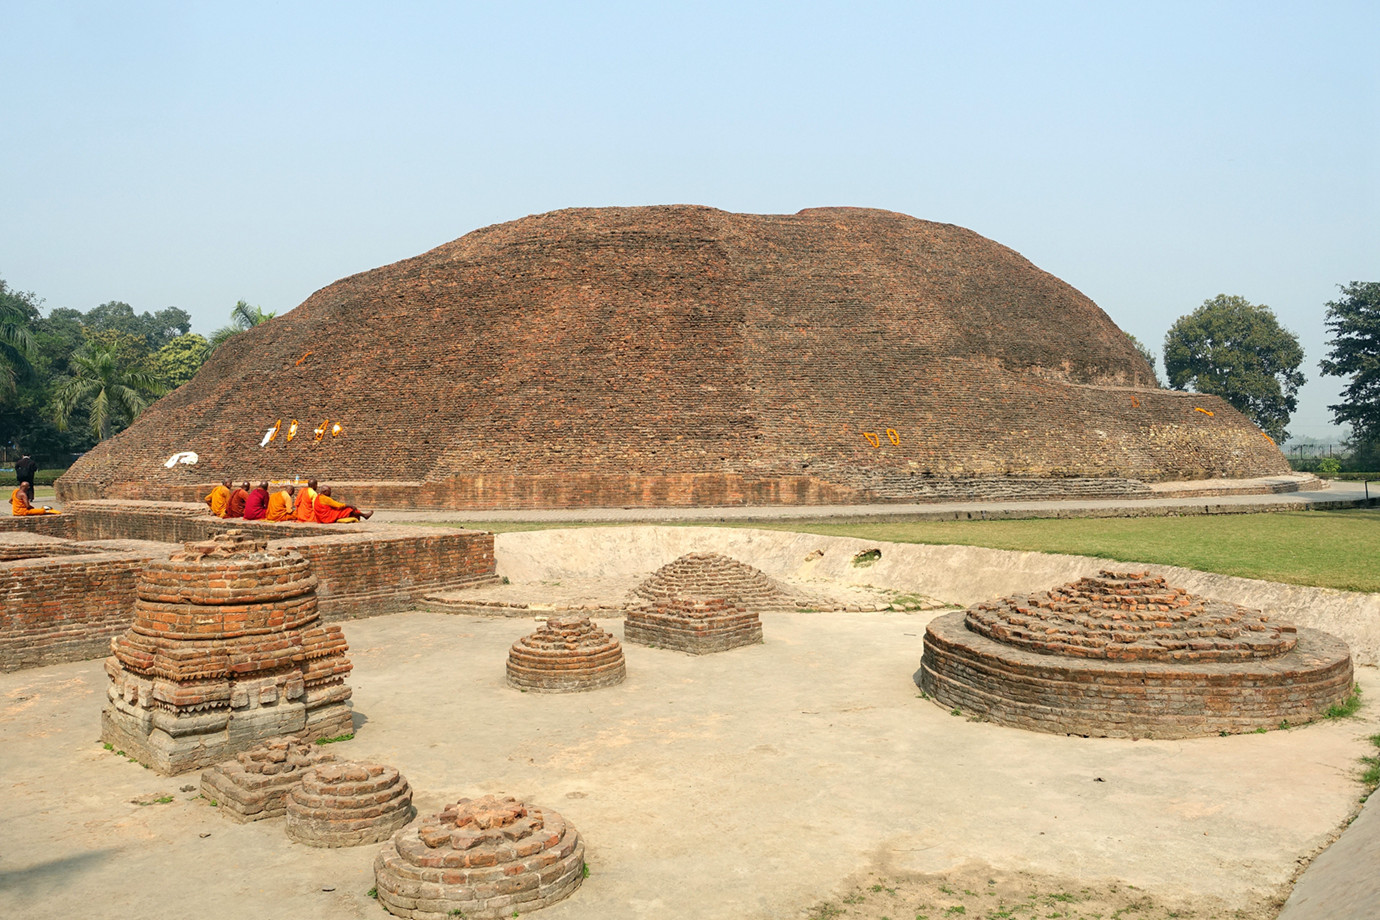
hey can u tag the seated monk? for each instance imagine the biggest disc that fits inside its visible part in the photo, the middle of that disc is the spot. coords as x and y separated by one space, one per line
21 501
306 504
237 500
219 499
280 505
330 511
256 504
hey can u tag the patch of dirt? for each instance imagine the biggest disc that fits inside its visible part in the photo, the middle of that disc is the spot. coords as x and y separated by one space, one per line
977 892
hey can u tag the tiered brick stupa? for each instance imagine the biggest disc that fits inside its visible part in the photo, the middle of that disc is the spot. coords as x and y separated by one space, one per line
717 575
226 650
254 784
696 625
348 805
566 655
1126 655
674 356
479 858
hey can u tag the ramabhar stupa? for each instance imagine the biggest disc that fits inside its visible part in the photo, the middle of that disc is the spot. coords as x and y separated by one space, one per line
681 355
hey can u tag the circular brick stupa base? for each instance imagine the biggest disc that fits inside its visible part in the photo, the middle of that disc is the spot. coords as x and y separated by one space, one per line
348 805
254 784
565 655
1125 656
482 858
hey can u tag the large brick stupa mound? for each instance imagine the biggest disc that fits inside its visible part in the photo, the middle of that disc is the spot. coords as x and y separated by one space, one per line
681 355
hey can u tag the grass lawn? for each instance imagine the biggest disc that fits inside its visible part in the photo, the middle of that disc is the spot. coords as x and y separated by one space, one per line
1328 549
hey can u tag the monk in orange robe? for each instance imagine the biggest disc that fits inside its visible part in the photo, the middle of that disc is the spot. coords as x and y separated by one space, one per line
219 499
280 505
306 504
330 511
21 502
237 499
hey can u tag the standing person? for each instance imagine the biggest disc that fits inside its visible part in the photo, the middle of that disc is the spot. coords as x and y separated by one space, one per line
306 511
219 499
237 500
24 470
256 505
280 505
330 511
21 501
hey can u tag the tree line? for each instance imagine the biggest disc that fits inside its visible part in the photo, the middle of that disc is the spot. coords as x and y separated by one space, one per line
70 379
1232 348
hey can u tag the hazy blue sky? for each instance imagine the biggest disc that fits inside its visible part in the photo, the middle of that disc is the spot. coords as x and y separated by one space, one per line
1153 155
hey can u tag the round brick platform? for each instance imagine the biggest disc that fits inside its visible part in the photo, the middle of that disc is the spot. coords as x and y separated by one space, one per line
1125 656
348 804
481 858
253 785
699 626
565 655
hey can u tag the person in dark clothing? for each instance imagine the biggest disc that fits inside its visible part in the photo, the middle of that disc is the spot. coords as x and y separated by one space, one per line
24 470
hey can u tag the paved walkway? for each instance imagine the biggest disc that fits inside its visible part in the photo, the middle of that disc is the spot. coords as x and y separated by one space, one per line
1337 494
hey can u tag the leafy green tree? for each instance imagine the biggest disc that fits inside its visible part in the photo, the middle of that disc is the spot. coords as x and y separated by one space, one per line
112 391
17 310
179 360
1354 321
242 317
1237 350
155 329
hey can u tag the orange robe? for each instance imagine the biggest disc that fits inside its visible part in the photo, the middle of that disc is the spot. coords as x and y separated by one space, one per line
219 500
280 507
330 511
19 505
306 501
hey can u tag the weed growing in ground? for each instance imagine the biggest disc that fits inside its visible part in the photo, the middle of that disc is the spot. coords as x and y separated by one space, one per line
1346 707
372 892
349 737
584 870
1371 775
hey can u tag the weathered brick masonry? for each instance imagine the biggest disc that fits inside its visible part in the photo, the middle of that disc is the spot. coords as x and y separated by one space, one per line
67 603
686 356
1126 656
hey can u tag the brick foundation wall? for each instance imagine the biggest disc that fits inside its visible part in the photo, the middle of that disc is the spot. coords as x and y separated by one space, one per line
1108 699
65 608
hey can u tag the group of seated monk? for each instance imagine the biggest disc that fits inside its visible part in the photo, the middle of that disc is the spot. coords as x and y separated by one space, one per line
22 501
309 507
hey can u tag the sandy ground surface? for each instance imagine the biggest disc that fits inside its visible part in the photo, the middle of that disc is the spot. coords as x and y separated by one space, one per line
764 782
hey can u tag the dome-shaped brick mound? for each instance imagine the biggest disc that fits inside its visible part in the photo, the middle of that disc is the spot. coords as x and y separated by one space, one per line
480 858
348 804
672 356
1131 617
226 650
699 626
254 784
565 655
1125 655
717 575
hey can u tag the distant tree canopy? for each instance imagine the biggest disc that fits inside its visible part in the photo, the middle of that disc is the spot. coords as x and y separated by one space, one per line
71 378
1354 322
1237 350
1147 354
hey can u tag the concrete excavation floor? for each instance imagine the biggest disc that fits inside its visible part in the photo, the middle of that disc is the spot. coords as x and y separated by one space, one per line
746 784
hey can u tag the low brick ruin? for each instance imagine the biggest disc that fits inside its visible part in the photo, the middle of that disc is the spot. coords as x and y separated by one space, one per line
67 582
480 858
566 655
717 575
253 785
699 626
226 650
1126 655
348 805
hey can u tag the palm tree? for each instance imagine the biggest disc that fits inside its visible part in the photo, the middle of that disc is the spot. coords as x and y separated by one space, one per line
17 347
114 390
242 317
